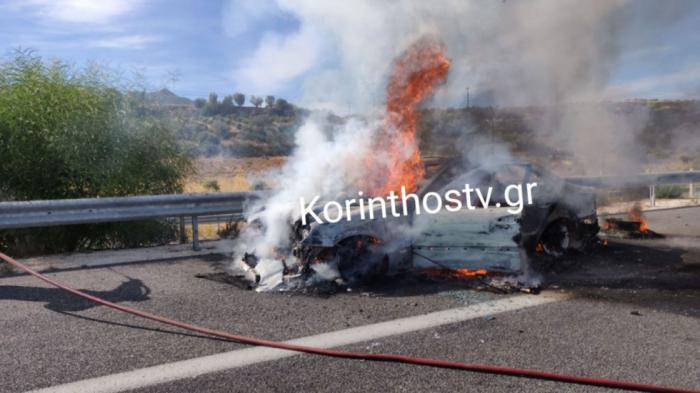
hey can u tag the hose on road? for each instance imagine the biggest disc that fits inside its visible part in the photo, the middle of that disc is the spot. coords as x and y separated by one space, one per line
440 363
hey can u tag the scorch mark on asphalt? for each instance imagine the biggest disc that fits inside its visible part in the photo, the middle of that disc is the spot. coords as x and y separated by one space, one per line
190 368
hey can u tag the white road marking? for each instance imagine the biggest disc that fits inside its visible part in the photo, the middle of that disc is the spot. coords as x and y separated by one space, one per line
191 368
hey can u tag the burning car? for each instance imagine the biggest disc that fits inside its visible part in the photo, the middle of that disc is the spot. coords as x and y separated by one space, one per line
561 217
350 248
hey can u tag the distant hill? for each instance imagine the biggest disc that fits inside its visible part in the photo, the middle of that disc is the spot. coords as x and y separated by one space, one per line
670 132
167 98
664 133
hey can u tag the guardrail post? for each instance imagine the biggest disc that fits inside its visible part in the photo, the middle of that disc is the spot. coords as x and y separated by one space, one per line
691 188
183 234
195 233
652 195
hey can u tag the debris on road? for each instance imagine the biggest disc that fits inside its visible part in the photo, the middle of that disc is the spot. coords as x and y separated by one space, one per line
634 226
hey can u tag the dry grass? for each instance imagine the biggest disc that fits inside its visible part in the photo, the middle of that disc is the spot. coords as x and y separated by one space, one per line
226 184
206 231
231 174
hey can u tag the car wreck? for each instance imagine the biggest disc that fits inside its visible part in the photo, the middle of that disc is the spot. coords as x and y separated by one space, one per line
488 239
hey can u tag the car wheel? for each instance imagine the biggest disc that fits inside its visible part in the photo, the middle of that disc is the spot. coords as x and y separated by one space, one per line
360 260
556 239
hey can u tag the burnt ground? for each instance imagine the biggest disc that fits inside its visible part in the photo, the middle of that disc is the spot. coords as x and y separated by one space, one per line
668 260
631 313
626 264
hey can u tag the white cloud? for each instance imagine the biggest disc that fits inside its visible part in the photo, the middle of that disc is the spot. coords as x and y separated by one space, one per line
648 53
240 16
655 86
135 41
81 11
277 60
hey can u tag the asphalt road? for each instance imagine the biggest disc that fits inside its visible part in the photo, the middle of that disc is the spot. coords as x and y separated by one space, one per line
631 312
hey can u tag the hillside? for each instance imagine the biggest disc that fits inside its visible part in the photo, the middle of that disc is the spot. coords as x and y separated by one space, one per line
643 133
665 133
244 132
167 97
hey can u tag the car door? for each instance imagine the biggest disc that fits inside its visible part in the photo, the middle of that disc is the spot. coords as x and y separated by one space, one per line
483 238
467 239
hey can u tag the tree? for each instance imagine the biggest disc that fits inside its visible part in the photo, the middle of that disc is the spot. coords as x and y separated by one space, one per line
69 133
256 101
239 99
211 108
283 107
199 103
269 101
226 106
213 99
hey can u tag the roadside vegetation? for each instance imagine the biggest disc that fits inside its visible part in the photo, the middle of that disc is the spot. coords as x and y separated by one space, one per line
242 125
225 127
75 133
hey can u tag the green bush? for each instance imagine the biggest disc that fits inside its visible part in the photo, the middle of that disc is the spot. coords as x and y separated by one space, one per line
70 133
670 191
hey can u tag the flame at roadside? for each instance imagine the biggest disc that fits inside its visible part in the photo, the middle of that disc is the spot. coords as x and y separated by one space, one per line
635 214
398 160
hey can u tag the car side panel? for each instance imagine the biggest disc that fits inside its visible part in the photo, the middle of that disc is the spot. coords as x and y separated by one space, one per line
472 239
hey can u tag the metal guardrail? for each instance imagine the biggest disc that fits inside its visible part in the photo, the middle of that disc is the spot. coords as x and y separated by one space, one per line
645 179
31 214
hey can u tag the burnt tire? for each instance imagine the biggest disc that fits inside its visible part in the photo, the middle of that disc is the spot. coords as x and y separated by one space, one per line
557 237
359 260
554 241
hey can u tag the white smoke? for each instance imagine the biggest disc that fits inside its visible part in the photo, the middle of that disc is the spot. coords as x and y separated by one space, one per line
323 164
284 58
514 52
551 53
509 53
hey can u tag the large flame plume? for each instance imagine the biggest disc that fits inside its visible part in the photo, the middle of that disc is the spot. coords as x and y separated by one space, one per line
416 73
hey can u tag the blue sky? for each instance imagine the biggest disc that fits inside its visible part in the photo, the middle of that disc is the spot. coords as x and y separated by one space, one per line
184 45
667 63
258 47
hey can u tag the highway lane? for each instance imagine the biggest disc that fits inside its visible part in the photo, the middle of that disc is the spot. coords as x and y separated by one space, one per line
618 320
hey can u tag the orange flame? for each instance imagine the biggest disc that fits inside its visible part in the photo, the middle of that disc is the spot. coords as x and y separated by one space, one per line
635 214
643 225
416 72
539 247
455 273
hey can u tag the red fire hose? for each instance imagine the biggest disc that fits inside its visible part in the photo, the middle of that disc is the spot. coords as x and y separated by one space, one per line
441 363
